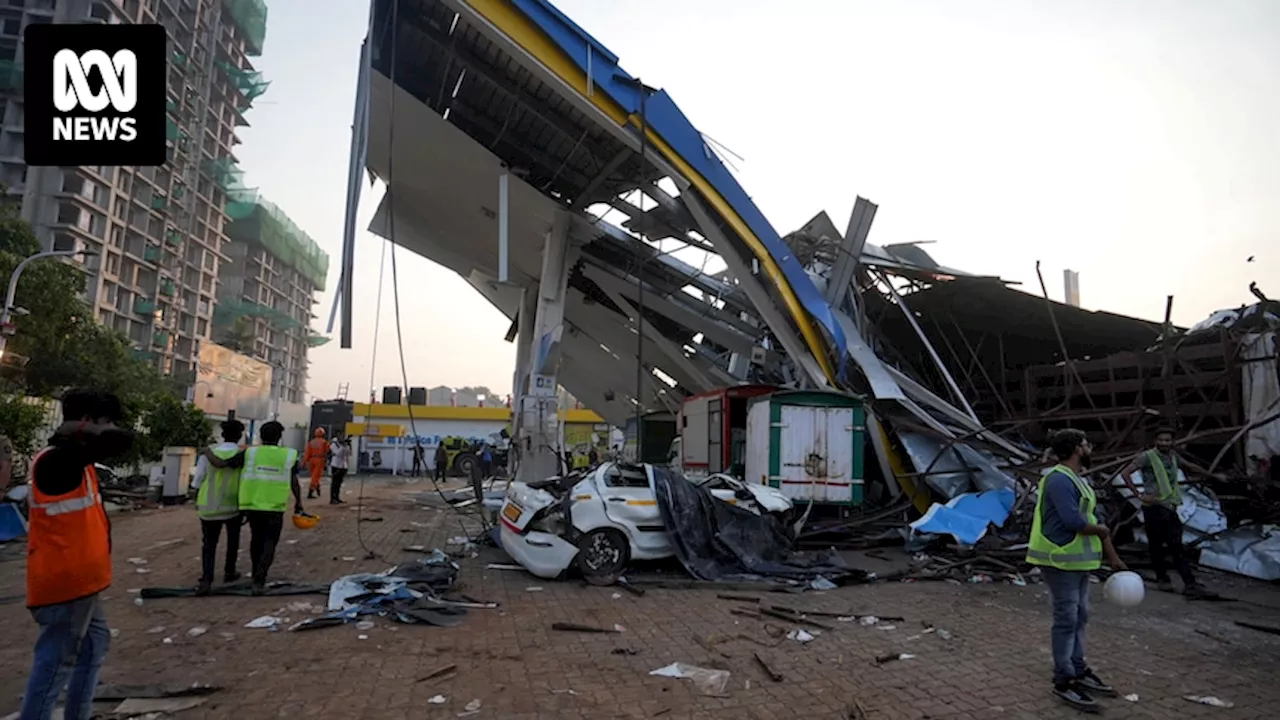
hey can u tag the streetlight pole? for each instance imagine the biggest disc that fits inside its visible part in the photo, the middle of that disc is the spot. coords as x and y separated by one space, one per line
6 315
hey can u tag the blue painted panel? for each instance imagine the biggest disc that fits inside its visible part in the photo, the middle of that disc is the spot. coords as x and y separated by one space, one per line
529 7
666 119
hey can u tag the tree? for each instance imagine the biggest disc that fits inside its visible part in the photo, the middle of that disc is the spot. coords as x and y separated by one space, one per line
67 348
22 422
165 421
50 291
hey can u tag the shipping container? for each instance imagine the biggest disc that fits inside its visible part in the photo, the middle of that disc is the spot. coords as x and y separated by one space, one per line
713 430
808 444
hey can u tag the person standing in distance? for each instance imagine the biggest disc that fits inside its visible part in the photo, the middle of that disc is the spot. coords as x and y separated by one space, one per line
340 458
441 461
1161 496
316 455
269 473
218 505
1068 543
69 555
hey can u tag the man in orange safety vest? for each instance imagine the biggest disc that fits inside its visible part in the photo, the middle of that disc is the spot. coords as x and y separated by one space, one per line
69 555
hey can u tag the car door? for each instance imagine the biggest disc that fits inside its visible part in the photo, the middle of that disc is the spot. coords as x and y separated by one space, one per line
629 502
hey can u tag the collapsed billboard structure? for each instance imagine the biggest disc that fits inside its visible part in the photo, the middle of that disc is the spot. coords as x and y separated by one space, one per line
510 140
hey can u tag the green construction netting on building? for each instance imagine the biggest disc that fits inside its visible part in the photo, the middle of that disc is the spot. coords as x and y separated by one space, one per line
255 220
226 175
10 75
251 17
226 312
249 82
316 340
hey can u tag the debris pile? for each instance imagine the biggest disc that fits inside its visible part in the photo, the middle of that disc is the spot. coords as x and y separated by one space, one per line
417 593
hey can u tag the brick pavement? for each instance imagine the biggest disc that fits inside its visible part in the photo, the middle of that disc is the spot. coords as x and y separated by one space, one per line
994 666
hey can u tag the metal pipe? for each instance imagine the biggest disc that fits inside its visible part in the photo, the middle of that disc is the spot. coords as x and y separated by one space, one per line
951 381
504 223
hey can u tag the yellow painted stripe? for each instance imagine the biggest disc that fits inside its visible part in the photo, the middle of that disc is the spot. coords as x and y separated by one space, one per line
504 16
919 496
642 502
378 411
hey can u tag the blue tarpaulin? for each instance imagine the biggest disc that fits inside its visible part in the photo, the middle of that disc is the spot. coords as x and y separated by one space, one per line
12 524
967 517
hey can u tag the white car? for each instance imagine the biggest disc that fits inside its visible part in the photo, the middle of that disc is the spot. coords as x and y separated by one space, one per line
606 517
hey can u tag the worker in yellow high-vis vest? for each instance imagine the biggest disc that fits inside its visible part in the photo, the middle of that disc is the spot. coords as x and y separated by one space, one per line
1068 543
218 506
1161 496
269 473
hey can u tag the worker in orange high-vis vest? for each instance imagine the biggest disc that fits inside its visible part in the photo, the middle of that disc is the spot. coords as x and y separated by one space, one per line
315 457
69 555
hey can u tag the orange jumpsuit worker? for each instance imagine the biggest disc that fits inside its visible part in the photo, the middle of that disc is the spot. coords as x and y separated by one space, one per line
316 455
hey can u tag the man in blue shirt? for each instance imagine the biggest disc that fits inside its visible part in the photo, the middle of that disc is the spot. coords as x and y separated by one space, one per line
1068 543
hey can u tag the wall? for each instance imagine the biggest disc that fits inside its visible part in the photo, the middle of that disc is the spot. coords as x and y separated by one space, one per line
435 422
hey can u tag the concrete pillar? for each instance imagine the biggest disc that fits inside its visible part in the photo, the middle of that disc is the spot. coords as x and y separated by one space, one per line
520 378
539 433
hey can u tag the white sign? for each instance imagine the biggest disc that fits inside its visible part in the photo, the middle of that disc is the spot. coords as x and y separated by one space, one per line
71 91
542 385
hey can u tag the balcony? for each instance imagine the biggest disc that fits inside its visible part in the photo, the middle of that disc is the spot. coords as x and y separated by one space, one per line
168 288
151 253
159 202
144 306
160 338
173 236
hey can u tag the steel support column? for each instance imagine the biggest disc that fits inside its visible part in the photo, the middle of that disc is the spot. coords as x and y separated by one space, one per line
539 436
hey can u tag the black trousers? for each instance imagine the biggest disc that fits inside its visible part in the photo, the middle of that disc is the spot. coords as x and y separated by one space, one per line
264 535
439 471
1164 537
335 483
209 532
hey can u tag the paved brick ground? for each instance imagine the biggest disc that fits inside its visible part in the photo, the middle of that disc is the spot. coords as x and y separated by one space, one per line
995 665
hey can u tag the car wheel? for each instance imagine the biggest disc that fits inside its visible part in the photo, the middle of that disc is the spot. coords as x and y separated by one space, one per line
603 554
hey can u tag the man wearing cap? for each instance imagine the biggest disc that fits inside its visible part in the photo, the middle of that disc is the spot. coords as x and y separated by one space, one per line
218 505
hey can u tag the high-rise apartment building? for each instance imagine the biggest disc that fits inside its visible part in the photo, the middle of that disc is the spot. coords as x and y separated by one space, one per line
266 291
161 233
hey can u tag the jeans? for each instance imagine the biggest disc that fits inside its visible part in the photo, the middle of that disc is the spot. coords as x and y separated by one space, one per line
72 643
335 484
264 534
1164 537
1069 593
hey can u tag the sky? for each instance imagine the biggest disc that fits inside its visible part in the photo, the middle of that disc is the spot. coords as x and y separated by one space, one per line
1133 141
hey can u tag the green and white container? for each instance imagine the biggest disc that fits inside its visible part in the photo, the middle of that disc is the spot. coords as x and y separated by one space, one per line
809 444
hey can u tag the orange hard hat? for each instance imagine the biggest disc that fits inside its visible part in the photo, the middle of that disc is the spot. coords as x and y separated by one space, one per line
305 521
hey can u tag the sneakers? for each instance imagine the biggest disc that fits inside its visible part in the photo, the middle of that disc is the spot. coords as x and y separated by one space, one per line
1071 693
1091 683
259 588
231 576
203 588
